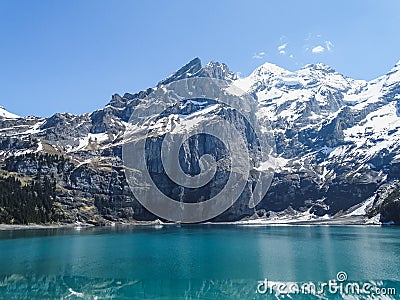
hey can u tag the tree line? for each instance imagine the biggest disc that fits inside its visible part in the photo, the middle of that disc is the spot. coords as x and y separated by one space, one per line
29 203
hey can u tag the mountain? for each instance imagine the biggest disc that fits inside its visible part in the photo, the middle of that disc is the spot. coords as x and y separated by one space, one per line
337 149
7 115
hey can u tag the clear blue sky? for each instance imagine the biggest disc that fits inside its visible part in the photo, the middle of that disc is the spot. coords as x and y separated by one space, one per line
70 55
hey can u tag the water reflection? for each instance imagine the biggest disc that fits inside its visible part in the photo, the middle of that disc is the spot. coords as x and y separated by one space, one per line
206 262
18 286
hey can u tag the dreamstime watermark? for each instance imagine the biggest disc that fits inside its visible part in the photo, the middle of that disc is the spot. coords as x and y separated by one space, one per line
338 286
232 150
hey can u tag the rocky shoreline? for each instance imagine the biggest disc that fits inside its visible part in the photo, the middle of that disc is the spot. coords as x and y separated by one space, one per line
339 221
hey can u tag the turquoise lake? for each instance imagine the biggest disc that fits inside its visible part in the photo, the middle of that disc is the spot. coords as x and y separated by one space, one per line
198 262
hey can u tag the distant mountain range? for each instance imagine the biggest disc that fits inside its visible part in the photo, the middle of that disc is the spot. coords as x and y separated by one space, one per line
337 144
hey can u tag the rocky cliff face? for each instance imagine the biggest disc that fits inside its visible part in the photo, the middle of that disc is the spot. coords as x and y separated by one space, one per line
337 144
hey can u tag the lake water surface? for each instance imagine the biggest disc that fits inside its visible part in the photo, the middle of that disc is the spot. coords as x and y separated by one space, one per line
199 262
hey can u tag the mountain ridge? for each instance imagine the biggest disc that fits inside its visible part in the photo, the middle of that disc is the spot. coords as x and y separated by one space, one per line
196 65
337 141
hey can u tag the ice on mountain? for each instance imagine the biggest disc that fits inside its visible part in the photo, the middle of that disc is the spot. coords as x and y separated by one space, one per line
6 114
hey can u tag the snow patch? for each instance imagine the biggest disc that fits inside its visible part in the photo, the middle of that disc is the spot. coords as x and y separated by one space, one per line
7 115
91 137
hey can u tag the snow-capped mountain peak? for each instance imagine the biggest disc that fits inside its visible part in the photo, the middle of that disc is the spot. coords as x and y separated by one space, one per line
320 67
393 76
6 114
217 70
269 69
264 75
186 71
194 68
